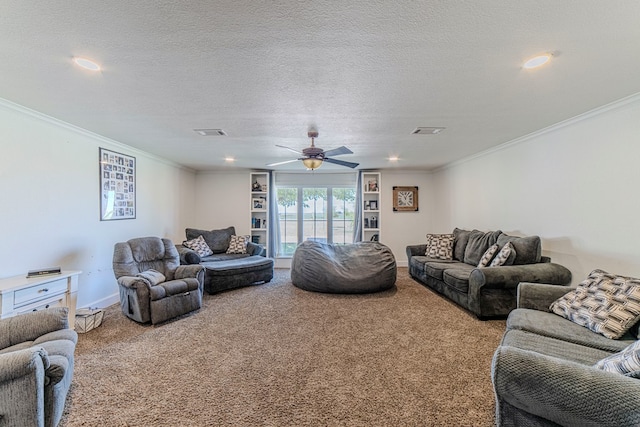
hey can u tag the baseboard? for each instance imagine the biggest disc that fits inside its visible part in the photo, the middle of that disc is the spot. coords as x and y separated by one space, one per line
104 302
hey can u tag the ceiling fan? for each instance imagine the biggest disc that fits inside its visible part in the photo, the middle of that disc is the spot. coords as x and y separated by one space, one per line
313 157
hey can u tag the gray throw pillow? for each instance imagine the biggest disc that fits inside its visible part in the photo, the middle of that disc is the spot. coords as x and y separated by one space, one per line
217 240
528 249
479 242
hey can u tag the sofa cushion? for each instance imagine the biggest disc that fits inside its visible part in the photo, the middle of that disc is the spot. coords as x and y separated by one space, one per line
238 244
436 268
605 303
528 249
488 255
217 240
625 362
479 242
198 245
440 246
554 326
461 238
224 257
506 256
458 277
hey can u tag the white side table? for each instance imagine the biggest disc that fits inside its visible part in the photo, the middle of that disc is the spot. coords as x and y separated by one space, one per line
19 295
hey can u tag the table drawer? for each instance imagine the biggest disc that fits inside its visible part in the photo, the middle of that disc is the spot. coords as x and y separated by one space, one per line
39 292
58 301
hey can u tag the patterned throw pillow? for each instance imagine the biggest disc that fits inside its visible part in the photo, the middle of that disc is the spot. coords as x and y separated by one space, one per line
503 255
440 246
238 245
488 254
199 245
604 303
625 362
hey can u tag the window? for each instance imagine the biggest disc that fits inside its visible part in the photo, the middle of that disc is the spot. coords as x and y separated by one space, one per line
324 213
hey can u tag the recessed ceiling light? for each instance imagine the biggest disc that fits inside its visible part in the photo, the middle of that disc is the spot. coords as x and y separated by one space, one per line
86 63
427 130
229 159
393 158
537 61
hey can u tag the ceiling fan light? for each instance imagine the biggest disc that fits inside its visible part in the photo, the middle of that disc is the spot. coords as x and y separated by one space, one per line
312 163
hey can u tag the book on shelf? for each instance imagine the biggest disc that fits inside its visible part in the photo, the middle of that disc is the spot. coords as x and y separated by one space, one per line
43 272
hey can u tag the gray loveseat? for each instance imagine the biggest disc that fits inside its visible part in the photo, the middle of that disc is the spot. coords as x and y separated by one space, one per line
224 271
486 291
543 372
36 367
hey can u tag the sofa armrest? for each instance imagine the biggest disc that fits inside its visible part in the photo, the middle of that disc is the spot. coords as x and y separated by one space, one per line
20 363
190 271
564 392
539 296
255 249
187 256
509 276
415 250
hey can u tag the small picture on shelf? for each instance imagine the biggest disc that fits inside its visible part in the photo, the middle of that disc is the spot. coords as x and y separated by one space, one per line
373 204
372 185
255 239
256 186
259 204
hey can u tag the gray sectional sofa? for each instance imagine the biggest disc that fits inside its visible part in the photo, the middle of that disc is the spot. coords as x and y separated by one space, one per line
486 291
543 371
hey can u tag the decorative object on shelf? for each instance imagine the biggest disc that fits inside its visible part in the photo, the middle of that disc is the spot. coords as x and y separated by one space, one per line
372 185
255 239
258 204
366 223
367 205
405 199
117 185
373 205
256 186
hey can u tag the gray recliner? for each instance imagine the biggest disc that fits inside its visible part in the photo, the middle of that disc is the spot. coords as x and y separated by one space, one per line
153 285
36 367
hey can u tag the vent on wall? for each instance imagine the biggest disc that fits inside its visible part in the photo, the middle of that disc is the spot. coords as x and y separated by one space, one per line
210 132
427 130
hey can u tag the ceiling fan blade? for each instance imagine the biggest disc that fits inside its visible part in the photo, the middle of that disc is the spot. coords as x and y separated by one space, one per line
338 151
290 149
342 163
282 163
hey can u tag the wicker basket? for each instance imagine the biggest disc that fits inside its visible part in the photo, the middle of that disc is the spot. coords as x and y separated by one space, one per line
88 319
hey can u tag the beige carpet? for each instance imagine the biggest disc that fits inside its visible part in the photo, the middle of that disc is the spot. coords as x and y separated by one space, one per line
275 355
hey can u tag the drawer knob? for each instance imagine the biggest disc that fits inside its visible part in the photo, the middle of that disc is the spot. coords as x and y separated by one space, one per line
44 290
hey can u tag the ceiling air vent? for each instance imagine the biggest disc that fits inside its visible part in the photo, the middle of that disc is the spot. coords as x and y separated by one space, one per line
210 132
427 130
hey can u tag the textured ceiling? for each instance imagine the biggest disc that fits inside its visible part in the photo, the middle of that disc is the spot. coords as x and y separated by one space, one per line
364 73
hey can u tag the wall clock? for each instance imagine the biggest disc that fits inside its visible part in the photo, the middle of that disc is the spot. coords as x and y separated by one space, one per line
405 199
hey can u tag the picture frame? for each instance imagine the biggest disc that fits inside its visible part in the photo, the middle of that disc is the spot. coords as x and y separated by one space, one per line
117 185
373 205
405 199
258 204
372 186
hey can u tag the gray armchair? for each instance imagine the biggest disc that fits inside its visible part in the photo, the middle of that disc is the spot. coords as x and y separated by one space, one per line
36 367
153 285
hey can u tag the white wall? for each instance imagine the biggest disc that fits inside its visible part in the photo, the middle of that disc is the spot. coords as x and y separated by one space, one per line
223 199
574 184
49 182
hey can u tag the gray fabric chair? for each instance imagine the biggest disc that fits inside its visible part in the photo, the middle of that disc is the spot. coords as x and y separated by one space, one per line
153 285
36 367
